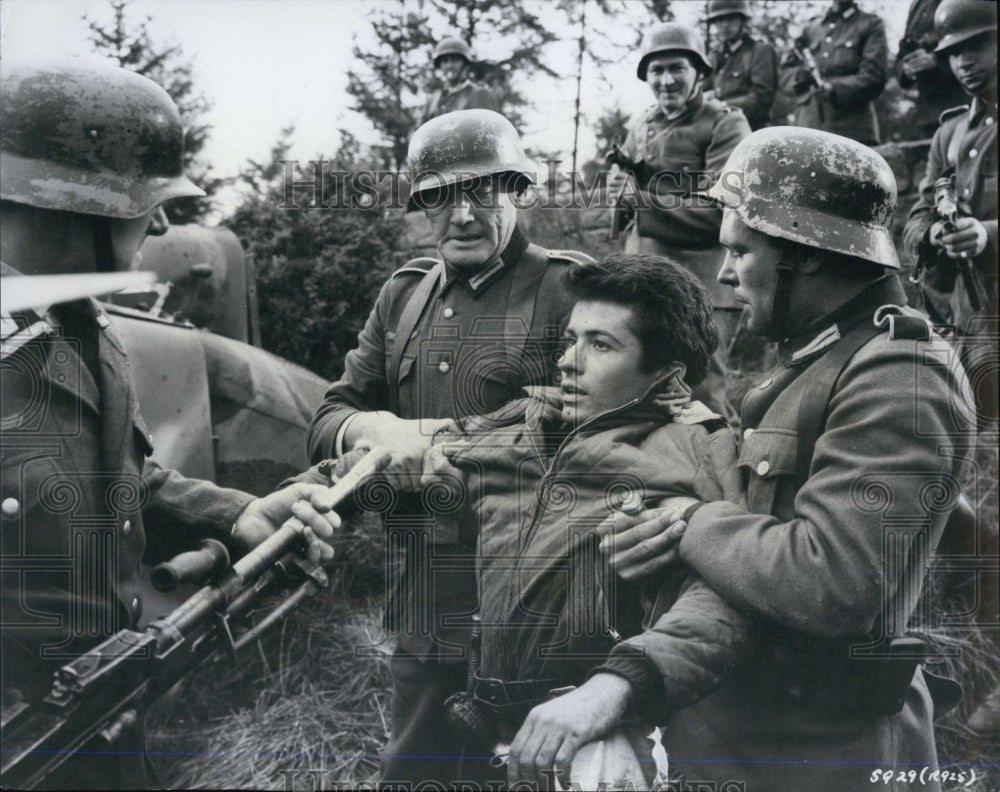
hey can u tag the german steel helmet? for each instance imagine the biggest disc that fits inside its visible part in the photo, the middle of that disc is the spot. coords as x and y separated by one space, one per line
463 145
452 46
672 36
94 139
814 188
723 8
958 20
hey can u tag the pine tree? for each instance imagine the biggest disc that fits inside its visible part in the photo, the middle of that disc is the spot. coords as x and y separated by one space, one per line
132 45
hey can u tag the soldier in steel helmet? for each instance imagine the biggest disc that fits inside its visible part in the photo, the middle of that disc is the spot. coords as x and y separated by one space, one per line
957 256
842 66
744 70
868 412
89 155
454 64
673 149
448 337
918 65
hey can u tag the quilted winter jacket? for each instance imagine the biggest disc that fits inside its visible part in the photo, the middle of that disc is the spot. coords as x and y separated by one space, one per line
550 609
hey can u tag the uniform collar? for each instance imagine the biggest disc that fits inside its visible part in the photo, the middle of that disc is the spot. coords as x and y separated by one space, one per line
833 14
980 109
481 280
729 49
833 326
692 104
466 83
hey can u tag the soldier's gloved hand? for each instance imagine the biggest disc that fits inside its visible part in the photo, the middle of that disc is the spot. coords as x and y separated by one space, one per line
306 506
406 440
639 542
968 239
555 731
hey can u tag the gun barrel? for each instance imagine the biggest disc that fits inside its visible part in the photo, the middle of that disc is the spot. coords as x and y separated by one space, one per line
196 566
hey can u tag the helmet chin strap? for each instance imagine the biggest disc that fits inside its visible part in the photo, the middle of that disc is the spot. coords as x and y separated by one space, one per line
782 295
104 253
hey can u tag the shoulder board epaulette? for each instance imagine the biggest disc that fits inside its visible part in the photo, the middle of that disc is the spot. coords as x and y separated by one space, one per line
951 112
569 256
902 326
417 266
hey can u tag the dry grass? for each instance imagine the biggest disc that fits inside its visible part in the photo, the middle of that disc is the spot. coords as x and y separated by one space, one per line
307 700
310 696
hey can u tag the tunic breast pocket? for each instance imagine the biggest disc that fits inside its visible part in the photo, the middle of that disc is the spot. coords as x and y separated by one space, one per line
767 459
846 57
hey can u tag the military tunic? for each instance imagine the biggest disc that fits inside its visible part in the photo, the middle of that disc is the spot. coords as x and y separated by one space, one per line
477 342
469 95
829 565
852 54
966 146
82 507
745 75
937 88
688 151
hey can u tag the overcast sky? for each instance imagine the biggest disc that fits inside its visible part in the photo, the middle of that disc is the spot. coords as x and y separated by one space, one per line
268 63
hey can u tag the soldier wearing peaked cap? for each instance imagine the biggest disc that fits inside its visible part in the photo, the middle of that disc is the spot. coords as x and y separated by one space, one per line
867 412
88 156
448 337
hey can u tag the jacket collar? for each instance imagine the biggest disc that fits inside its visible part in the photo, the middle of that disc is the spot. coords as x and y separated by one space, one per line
826 331
482 279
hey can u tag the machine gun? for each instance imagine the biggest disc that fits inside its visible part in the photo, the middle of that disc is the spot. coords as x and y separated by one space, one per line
621 214
933 262
98 695
813 77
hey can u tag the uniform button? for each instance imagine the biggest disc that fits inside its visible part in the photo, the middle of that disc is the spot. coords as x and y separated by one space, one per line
989 121
766 384
829 39
763 467
127 526
10 507
444 367
973 153
747 433
826 54
448 313
965 191
135 603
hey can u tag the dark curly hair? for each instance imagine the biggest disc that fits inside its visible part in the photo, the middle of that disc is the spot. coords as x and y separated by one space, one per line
673 310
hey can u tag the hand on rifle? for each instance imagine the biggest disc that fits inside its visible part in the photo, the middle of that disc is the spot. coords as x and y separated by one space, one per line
617 179
406 440
966 239
307 506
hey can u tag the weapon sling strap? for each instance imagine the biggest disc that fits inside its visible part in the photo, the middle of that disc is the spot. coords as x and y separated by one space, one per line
407 323
825 372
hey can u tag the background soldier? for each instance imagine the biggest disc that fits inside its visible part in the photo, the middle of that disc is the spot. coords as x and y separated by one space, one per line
745 71
958 254
454 63
446 338
89 155
675 148
844 65
919 66
839 447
